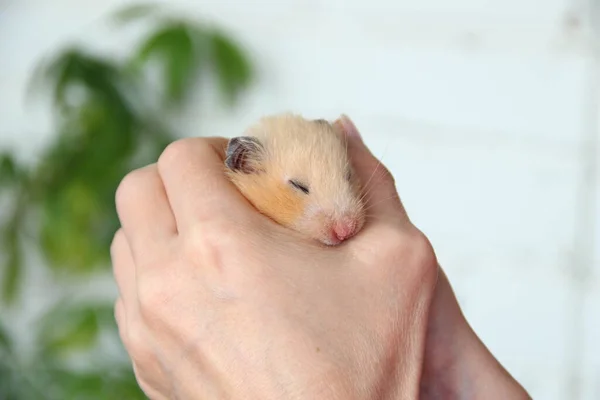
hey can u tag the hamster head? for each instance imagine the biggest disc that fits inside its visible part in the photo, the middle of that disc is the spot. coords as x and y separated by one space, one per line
297 172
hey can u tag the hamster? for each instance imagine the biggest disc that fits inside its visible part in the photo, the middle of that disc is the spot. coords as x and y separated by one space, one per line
297 172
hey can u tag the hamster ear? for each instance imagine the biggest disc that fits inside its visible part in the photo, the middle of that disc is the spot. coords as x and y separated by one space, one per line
243 154
331 125
321 121
339 128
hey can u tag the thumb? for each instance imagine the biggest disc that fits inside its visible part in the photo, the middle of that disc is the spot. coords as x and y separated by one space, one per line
378 185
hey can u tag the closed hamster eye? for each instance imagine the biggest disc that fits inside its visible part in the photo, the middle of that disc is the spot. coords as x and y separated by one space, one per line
299 186
349 175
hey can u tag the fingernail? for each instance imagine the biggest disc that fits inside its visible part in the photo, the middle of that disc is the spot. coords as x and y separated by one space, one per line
349 127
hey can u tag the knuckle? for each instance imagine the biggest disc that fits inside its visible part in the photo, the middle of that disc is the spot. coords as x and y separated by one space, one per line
117 243
219 250
408 252
227 237
154 296
136 344
175 151
420 258
220 237
199 243
126 190
394 242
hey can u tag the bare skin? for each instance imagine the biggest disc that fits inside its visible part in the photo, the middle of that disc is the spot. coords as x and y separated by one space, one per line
219 302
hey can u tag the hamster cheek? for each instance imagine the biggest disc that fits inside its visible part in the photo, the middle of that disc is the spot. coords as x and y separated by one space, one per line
284 205
312 222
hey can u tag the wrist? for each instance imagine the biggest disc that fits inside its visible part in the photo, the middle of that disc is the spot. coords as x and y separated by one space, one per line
457 363
486 376
469 371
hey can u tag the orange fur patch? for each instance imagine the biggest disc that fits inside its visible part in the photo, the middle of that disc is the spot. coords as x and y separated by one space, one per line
271 197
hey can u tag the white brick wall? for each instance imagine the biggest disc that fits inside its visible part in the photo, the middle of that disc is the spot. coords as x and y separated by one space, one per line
484 109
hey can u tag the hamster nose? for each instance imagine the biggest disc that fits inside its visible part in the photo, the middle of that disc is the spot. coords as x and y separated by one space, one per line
343 228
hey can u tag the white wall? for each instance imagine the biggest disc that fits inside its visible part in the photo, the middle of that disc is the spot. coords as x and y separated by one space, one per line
484 111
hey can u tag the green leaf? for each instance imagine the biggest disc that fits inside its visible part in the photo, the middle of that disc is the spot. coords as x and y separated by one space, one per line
99 383
125 386
67 233
75 68
5 340
81 385
105 315
13 264
133 12
173 46
67 328
9 171
9 387
37 81
233 68
12 276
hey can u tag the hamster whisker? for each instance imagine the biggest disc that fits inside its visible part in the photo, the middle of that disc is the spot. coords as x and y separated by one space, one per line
395 196
379 163
366 186
377 218
367 190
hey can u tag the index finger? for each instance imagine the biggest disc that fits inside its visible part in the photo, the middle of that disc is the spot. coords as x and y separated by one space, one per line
193 172
380 194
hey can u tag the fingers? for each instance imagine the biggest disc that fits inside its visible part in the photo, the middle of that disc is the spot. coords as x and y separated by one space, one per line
121 320
149 389
381 197
124 271
145 213
126 311
193 172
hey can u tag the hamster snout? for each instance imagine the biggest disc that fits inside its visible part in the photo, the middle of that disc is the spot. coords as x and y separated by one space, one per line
343 228
332 229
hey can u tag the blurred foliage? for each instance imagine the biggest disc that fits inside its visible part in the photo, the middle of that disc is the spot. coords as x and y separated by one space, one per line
110 118
45 375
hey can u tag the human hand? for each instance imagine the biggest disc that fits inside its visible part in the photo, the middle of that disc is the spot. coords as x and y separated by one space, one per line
216 301
456 364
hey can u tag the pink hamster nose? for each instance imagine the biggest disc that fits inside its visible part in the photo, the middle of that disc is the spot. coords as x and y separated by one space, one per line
343 228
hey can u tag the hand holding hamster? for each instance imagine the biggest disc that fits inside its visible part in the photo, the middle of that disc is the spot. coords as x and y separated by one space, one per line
218 301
